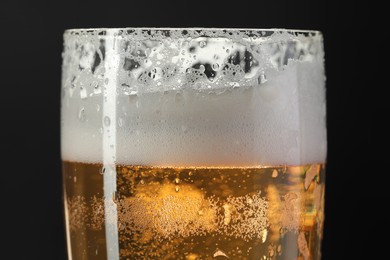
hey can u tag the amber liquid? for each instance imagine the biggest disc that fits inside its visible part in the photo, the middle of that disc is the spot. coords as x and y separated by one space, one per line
196 213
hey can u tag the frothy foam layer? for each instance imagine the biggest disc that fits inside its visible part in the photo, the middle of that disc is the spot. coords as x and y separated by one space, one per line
277 119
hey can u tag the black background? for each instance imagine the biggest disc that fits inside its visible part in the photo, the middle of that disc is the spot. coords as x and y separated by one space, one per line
31 213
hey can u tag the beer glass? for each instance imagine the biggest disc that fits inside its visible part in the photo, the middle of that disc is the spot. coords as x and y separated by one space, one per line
193 143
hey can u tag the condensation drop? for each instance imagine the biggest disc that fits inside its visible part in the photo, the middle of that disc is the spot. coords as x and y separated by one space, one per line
130 92
107 121
311 173
120 121
274 174
177 188
262 78
264 234
178 97
215 66
202 68
227 214
192 257
106 80
219 253
115 197
98 107
177 180
103 170
83 93
133 99
279 249
202 44
82 116
97 89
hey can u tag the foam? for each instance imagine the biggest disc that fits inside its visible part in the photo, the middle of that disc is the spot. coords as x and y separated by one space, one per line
271 114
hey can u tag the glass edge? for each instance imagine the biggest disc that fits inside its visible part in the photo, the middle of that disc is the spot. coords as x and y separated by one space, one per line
178 29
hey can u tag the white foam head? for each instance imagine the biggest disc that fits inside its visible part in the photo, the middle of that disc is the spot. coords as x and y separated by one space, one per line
190 97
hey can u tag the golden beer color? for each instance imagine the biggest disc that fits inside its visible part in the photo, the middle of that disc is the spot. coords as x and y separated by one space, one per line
273 212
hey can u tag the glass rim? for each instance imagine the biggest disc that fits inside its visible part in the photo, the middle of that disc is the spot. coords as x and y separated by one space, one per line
181 29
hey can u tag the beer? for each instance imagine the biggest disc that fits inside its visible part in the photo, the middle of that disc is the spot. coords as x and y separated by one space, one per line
197 212
193 148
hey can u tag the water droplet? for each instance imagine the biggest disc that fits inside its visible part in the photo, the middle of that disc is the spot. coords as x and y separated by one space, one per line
98 107
133 99
274 173
107 121
142 182
177 188
264 234
75 178
227 50
215 66
178 97
192 257
82 116
83 93
114 196
130 92
284 171
120 121
190 173
200 212
311 173
106 80
219 253
227 214
103 170
202 68
202 44
177 180
96 88
262 78
101 130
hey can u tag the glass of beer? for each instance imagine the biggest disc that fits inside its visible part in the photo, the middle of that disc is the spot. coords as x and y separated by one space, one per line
193 143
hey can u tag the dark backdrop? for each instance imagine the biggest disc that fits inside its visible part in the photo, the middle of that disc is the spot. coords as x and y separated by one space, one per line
31 213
